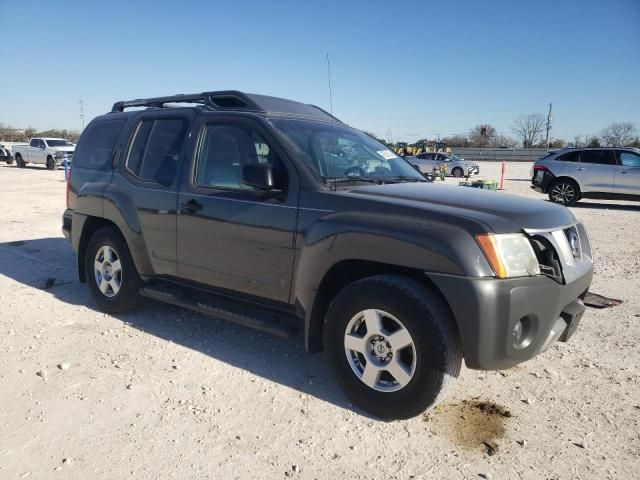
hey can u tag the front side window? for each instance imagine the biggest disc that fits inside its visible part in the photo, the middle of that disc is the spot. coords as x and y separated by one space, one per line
337 151
599 157
95 148
629 159
225 149
155 151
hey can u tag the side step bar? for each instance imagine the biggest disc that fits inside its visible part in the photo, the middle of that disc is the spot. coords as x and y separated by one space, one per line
264 320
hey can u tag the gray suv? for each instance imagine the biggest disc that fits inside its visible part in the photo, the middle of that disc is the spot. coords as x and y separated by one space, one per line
275 215
456 166
570 174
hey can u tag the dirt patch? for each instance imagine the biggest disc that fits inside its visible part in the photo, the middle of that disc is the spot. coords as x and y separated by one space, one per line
471 424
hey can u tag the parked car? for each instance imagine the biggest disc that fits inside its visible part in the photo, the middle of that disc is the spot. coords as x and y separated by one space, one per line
456 166
46 151
5 154
570 174
275 215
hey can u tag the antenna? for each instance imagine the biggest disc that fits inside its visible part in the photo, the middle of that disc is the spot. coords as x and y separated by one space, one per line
335 180
330 94
82 112
548 126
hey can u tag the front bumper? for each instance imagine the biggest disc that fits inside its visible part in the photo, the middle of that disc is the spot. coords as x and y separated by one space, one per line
487 311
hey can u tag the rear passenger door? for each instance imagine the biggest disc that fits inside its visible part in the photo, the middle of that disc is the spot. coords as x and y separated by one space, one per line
627 175
148 173
595 171
232 236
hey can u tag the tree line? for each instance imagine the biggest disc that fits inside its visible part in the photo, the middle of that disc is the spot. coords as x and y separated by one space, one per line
529 131
10 134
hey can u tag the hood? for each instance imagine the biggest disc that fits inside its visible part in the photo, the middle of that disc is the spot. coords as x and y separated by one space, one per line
502 212
69 148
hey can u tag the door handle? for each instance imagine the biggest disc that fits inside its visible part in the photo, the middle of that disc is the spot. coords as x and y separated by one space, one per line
191 207
623 171
580 168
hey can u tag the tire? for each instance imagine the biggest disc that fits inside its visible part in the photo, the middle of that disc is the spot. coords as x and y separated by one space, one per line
457 172
19 162
10 161
51 163
123 282
564 191
431 363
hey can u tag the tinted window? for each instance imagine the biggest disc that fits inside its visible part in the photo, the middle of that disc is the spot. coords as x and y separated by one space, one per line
225 149
569 157
600 157
629 159
155 151
33 142
95 149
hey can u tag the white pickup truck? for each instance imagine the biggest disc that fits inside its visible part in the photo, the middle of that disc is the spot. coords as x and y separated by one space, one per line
47 151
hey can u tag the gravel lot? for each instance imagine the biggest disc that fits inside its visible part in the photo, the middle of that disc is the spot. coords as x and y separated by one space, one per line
164 393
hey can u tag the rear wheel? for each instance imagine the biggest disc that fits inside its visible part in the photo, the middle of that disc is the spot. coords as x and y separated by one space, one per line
19 162
51 163
392 346
457 172
111 274
565 192
9 161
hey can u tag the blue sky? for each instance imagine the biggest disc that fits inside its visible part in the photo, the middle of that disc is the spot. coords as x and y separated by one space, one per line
414 68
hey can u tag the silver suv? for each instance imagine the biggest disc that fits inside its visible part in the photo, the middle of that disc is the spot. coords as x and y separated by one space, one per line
570 174
456 166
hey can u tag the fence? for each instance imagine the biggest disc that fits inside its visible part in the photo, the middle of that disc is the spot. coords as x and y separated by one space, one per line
499 154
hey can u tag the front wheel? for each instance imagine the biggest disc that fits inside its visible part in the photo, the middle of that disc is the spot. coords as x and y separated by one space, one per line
457 172
9 161
565 192
392 345
111 274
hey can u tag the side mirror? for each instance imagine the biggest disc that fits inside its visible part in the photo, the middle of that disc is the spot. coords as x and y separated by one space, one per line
258 175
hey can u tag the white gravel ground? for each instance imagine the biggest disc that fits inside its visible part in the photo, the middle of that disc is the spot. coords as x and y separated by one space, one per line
165 393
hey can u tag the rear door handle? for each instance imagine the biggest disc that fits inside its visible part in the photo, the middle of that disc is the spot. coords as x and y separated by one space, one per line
191 207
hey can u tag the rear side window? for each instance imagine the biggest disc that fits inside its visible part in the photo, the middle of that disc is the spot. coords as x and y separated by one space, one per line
569 157
600 157
95 149
155 151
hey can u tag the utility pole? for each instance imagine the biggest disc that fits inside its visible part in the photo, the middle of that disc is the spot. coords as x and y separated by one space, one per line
548 126
82 112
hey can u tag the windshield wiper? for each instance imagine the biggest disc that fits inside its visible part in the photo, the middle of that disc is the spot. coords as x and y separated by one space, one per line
353 178
403 178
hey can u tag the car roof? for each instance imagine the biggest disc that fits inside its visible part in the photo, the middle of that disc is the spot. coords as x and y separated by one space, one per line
230 101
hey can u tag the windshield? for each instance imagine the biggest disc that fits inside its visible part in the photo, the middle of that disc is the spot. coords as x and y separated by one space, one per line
336 151
59 143
455 158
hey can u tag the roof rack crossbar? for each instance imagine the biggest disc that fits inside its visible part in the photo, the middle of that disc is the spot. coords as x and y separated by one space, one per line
209 99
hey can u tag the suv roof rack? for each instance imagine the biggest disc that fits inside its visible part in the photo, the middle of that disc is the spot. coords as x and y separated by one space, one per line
234 100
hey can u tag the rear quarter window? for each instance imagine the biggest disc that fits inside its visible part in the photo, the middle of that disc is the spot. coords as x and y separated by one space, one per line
569 157
95 148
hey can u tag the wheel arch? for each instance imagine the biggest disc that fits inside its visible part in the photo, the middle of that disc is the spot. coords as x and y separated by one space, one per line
90 226
342 274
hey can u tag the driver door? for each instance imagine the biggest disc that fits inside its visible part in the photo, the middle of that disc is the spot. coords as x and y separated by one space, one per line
232 236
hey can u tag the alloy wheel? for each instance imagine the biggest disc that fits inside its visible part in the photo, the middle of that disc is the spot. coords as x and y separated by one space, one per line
380 350
108 271
563 193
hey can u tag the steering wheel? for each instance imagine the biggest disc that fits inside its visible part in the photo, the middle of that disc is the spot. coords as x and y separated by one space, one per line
355 171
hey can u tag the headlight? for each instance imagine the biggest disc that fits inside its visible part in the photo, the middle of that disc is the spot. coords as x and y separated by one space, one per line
510 255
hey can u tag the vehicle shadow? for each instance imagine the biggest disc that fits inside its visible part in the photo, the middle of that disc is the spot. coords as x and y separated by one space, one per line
49 264
608 206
